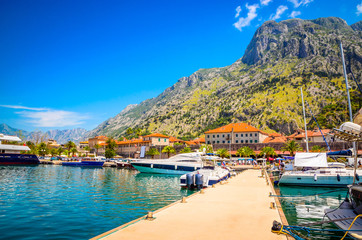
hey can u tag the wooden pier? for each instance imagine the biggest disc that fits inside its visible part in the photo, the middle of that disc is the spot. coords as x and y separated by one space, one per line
239 209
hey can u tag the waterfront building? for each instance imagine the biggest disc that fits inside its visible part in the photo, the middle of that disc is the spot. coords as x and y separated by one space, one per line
174 140
51 143
96 140
275 138
314 136
235 133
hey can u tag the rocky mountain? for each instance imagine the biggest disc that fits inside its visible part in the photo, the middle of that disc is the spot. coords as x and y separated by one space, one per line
263 87
61 136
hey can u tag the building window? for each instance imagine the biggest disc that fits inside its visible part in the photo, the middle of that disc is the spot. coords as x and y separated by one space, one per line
208 136
165 139
246 141
241 141
236 141
236 135
223 135
217 141
241 135
256 141
256 134
208 142
213 141
159 139
213 136
246 134
228 135
223 141
228 141
217 136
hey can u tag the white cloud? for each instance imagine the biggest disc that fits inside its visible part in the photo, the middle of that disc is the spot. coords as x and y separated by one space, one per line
294 14
23 107
280 10
265 2
45 117
298 3
238 10
243 22
359 8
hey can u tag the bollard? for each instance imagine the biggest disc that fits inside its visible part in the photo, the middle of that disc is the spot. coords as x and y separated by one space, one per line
183 200
272 205
213 185
270 194
150 216
202 191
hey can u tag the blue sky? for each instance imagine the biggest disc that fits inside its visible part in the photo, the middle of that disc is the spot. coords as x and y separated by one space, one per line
68 64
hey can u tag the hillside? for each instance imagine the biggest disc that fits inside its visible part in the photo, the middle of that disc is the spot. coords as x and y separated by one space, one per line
263 87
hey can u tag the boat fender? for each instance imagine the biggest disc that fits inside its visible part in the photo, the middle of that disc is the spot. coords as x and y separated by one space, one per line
357 177
315 177
189 180
199 181
338 177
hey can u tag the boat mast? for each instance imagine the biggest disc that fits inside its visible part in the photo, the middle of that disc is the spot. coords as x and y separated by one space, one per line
305 122
350 111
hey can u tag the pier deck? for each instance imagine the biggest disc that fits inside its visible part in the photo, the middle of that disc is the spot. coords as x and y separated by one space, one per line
239 209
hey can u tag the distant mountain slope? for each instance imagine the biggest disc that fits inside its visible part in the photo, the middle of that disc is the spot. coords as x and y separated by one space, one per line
61 136
263 87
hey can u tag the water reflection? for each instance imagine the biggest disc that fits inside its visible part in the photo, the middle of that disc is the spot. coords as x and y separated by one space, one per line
56 202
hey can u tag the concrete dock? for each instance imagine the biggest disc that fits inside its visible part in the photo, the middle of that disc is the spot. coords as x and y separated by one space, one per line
239 209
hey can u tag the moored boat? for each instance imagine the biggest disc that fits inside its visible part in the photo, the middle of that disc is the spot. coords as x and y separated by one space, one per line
10 154
176 165
86 162
203 178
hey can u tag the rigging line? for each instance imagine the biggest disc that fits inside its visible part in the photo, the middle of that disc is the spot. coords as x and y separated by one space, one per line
359 87
329 149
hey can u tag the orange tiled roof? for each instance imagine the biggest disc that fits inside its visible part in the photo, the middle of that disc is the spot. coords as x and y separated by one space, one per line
85 142
173 139
281 139
199 140
314 133
157 135
236 127
190 143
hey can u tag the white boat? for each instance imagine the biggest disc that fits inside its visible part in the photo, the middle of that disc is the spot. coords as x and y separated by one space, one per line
177 165
319 173
204 177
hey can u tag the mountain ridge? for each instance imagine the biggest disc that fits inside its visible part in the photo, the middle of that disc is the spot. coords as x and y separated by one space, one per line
262 87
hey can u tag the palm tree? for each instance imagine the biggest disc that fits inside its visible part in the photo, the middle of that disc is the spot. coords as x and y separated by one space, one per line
168 150
245 152
60 150
186 150
152 152
73 151
268 151
42 149
291 147
53 152
223 153
86 149
111 144
97 146
317 148
66 152
69 145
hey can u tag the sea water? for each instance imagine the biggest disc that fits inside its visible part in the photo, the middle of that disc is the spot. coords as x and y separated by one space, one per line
303 205
59 202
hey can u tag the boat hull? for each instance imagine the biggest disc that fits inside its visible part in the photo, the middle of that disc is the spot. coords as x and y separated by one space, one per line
163 168
84 164
317 181
7 159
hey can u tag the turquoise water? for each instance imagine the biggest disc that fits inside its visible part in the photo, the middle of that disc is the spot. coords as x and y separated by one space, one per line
308 204
57 202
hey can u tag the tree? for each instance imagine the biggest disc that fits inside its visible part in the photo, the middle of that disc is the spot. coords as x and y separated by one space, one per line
97 146
317 148
186 150
267 151
73 150
152 152
291 147
66 152
86 149
111 143
168 150
109 153
53 152
245 152
223 153
42 149
129 131
208 148
32 146
69 145
60 150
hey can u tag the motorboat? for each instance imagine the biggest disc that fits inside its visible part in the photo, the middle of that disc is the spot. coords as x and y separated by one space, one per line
205 177
123 163
86 162
178 165
312 169
10 154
